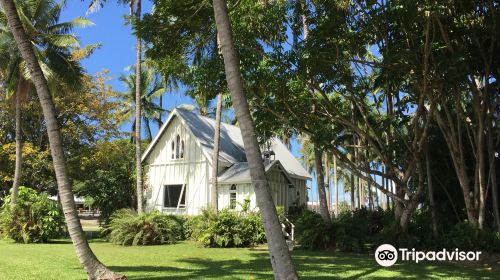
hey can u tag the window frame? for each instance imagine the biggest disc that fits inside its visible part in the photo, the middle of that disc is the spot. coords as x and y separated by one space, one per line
181 200
233 191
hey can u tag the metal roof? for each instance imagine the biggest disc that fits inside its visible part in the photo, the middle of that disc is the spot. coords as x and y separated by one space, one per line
231 150
238 173
231 144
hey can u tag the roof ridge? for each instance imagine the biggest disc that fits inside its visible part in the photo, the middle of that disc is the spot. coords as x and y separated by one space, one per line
208 118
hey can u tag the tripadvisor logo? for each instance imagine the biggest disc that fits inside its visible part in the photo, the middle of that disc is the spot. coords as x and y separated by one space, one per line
386 255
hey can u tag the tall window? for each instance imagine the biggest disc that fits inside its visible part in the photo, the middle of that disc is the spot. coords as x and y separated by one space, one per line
232 197
177 148
173 196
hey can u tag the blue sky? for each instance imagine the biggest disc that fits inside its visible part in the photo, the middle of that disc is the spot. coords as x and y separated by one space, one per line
118 52
118 44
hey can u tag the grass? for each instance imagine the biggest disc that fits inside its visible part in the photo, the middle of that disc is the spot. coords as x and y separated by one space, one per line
187 261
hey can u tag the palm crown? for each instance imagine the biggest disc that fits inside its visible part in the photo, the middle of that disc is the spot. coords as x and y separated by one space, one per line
53 43
152 88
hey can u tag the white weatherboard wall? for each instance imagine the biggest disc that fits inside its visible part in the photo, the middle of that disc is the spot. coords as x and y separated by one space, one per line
243 191
283 194
191 170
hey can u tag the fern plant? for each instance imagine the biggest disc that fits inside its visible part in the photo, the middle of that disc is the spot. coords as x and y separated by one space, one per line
128 228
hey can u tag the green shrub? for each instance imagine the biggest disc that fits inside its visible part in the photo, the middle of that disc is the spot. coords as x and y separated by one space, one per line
351 231
191 225
226 229
465 237
311 231
128 228
34 218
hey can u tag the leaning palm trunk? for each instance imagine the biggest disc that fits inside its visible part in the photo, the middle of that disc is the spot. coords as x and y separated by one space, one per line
94 268
138 170
320 182
22 87
215 154
280 256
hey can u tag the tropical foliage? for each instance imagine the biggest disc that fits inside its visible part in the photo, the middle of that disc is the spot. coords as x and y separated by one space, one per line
33 219
226 229
402 97
110 184
129 228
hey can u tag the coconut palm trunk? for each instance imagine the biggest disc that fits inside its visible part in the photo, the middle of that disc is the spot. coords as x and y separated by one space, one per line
215 154
94 268
280 256
22 88
138 61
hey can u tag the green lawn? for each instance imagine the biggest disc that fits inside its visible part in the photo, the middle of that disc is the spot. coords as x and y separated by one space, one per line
187 261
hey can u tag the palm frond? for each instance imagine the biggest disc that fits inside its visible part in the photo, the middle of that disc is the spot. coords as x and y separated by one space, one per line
62 40
67 27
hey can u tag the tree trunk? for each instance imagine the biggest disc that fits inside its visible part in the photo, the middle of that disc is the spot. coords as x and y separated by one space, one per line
407 209
327 184
453 138
94 268
368 183
397 205
215 154
356 178
430 189
493 176
481 169
336 185
320 182
22 88
138 62
280 256
387 198
353 202
160 121
370 195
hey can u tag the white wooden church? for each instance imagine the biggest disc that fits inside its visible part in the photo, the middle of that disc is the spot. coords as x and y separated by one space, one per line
178 165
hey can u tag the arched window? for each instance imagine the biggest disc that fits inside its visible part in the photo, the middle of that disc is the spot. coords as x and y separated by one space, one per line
173 149
232 197
177 145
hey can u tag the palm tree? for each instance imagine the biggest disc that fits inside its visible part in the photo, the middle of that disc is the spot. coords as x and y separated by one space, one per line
280 256
53 41
215 153
135 14
153 87
138 91
94 268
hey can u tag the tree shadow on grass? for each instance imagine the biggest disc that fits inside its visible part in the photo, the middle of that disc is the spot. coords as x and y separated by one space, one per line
311 265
